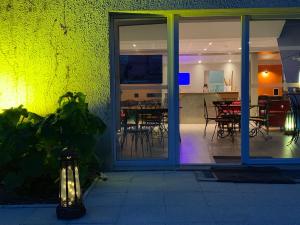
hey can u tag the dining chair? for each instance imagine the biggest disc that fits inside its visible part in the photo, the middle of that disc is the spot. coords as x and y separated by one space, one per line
154 122
137 134
226 119
207 117
259 123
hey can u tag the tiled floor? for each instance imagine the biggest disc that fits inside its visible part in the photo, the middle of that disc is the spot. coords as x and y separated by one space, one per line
195 148
170 197
148 145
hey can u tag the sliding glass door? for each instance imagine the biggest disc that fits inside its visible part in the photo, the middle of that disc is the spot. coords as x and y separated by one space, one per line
251 64
141 78
275 96
210 90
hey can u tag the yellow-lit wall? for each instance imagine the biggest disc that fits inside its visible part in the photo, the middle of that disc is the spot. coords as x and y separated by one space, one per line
50 47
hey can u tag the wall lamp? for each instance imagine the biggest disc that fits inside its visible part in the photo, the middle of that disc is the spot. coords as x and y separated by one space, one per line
265 73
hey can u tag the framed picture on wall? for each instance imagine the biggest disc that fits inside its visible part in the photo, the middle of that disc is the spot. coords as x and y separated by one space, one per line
275 91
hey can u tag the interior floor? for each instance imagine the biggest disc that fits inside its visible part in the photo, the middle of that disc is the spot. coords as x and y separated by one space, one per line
197 149
147 145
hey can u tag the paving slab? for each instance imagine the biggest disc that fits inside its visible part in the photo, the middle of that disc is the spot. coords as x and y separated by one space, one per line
171 197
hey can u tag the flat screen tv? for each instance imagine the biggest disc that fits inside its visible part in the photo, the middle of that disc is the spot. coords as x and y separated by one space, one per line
141 69
184 78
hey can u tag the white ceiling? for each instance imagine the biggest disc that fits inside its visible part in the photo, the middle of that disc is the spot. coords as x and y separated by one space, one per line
208 41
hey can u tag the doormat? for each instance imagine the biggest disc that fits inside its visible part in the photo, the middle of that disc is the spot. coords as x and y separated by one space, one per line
227 159
234 159
205 175
265 175
294 174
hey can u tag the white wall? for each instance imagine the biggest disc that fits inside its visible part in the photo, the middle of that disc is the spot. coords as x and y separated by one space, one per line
197 75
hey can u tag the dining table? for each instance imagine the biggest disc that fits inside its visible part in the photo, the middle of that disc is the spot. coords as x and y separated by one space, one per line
138 114
229 114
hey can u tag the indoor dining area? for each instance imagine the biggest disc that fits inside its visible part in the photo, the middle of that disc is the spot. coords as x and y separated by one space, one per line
209 84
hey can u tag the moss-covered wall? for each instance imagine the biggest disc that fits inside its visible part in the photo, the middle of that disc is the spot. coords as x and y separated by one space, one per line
48 47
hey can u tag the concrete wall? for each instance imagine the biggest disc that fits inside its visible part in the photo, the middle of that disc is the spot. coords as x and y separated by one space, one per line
289 45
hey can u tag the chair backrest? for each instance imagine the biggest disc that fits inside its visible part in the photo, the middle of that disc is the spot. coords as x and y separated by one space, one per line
264 108
123 118
153 116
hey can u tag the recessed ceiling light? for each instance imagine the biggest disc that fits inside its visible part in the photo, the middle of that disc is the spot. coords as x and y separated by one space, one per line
205 49
229 61
210 43
134 45
199 61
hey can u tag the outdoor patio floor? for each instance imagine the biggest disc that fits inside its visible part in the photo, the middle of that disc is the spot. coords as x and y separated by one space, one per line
170 197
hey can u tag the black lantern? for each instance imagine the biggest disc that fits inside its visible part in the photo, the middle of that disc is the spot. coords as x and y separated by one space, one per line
70 201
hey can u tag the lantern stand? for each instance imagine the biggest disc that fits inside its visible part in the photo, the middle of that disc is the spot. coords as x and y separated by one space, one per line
70 201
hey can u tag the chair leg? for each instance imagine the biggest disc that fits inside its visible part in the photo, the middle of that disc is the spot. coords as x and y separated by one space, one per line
148 144
132 139
123 139
142 143
206 122
162 137
212 138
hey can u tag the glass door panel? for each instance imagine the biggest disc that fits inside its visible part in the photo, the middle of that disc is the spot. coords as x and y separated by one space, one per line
210 105
142 90
274 88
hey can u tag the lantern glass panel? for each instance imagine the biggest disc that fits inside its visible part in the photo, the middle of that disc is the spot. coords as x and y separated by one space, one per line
63 191
71 188
77 183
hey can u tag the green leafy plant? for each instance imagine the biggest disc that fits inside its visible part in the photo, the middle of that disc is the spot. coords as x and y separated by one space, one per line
30 145
20 160
72 125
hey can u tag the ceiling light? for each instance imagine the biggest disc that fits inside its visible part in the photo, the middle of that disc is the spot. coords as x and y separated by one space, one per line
240 48
134 45
205 49
229 61
210 43
199 61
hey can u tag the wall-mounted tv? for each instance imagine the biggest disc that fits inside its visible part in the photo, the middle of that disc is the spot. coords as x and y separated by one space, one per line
184 78
141 69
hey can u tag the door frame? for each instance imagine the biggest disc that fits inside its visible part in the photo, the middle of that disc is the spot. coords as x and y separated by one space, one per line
173 68
117 20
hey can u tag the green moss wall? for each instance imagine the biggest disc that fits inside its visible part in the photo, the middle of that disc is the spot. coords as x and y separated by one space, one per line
48 47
